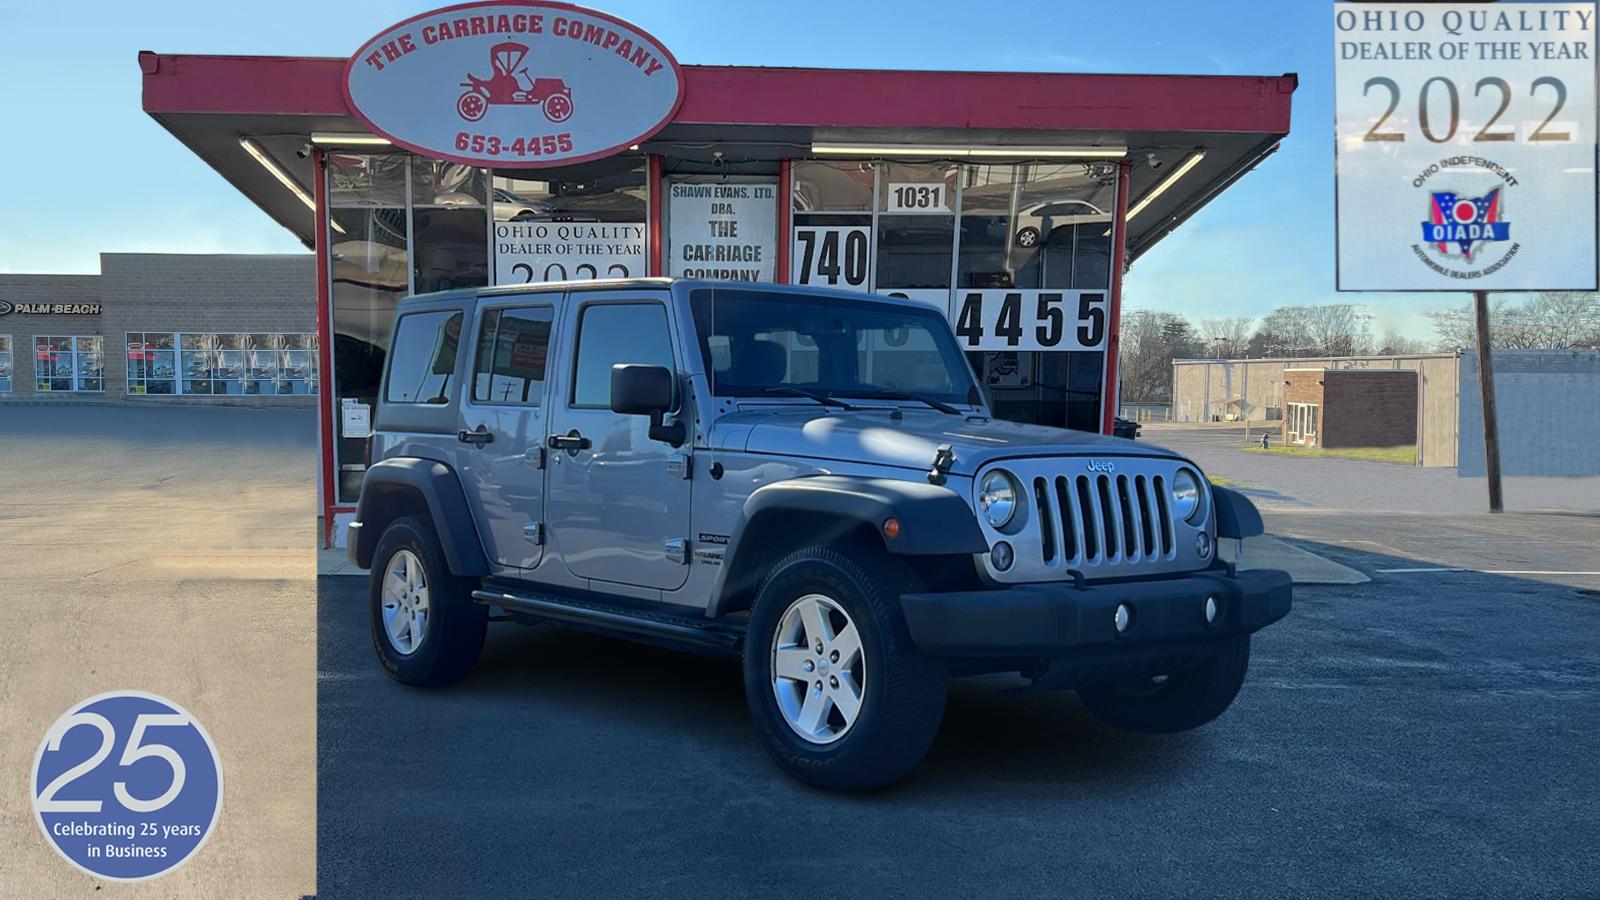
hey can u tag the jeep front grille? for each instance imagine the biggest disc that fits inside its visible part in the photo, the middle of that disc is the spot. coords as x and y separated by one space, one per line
1102 519
1096 517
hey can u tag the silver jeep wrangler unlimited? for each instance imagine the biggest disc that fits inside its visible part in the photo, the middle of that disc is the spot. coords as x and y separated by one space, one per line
807 480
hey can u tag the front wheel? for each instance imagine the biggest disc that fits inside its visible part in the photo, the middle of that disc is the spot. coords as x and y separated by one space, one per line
840 696
1170 703
425 626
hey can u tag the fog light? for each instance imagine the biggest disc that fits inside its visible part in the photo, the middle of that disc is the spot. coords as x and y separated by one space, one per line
1002 556
1202 544
1123 618
1212 609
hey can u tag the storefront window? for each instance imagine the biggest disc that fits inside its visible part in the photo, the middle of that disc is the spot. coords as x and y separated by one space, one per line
449 226
5 364
1032 227
916 229
68 364
833 241
226 364
152 363
578 222
369 273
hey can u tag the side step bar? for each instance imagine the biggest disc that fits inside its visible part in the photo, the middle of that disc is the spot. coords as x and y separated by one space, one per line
679 632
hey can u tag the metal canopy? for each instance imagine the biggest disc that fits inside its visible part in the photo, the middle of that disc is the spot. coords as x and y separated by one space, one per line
760 115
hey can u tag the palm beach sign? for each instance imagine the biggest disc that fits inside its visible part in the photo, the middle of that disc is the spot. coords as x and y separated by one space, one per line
514 84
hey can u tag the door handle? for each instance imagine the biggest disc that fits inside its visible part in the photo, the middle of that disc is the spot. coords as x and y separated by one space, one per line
479 437
572 440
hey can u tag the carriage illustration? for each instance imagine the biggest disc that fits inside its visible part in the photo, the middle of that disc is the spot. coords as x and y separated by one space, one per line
511 84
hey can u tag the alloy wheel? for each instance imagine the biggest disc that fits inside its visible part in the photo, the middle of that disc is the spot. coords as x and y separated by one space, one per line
819 673
405 602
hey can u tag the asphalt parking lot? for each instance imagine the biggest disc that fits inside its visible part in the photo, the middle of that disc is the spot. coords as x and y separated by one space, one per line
164 549
1430 733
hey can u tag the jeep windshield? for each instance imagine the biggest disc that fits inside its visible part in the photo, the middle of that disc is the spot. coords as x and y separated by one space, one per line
776 343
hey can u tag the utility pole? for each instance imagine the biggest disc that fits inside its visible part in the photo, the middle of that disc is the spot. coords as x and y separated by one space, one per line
1491 428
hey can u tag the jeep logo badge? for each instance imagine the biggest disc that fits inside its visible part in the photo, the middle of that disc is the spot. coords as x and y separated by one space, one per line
1100 465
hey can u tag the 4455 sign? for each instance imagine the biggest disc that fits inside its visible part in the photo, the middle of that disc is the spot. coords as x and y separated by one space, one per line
1006 319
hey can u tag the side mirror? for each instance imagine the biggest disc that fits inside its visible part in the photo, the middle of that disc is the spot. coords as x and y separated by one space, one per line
647 391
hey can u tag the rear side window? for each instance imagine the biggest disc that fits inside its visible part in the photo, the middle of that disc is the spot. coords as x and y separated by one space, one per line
513 350
422 357
613 333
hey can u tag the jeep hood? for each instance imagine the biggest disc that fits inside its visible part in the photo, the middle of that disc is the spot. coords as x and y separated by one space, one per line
874 437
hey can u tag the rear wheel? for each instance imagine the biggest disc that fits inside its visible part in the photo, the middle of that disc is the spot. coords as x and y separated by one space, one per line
1171 703
425 626
840 696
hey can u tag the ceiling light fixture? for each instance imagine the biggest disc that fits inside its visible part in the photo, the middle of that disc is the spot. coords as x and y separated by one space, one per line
272 167
969 152
343 139
1166 183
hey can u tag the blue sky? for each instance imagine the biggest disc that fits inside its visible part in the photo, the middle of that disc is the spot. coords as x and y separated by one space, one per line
87 170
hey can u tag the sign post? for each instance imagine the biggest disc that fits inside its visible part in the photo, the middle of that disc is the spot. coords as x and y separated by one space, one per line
1465 156
1491 426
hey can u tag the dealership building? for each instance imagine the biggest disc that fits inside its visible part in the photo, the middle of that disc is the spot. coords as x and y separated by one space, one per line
507 143
164 328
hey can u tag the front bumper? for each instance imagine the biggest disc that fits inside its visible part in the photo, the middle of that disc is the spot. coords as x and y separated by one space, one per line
1047 621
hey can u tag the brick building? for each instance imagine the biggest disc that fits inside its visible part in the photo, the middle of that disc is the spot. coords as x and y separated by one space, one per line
1350 407
179 328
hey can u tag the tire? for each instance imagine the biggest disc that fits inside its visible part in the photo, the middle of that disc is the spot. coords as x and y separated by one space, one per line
1028 237
446 645
1182 702
901 691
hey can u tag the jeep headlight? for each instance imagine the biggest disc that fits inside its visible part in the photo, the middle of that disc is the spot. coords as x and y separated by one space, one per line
1186 495
997 497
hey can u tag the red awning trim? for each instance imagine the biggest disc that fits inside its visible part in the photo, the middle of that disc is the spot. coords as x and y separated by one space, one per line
824 98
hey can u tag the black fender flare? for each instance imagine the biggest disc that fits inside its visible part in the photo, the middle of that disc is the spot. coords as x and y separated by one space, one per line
446 501
1237 516
934 521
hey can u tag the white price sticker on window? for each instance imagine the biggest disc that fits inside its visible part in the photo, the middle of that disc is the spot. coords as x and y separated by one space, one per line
1030 319
837 256
918 197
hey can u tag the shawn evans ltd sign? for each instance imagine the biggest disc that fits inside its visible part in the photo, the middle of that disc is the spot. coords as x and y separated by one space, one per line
514 84
49 309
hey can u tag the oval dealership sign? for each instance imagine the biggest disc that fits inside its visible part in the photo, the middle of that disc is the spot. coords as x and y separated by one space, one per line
514 84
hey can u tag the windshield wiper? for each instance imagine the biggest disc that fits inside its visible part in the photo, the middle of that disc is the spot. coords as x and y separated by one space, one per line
945 408
824 399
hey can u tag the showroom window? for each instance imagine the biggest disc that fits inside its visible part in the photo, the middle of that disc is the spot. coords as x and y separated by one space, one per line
832 228
578 222
225 364
68 364
152 363
513 351
449 226
5 364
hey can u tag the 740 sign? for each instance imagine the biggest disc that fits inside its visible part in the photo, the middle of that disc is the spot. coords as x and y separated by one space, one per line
1030 320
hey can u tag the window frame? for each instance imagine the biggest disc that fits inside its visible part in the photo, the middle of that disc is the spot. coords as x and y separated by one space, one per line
8 349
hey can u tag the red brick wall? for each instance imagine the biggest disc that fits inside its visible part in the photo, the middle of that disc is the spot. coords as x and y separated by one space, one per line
1369 408
1301 386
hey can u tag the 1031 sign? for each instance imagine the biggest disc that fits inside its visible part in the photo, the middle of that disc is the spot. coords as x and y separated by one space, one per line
1030 319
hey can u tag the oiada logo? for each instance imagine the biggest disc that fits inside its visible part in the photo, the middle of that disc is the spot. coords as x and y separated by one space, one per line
524 83
1463 231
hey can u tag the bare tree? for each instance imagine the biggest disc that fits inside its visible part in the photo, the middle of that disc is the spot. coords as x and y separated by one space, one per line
1227 336
1149 341
1396 344
1337 329
1552 320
